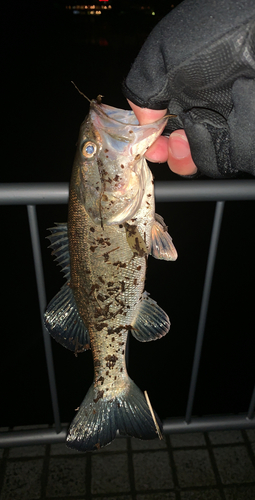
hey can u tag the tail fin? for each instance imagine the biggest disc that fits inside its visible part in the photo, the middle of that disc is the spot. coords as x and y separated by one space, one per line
99 419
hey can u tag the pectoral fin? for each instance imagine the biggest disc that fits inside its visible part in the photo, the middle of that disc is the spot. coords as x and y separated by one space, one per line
150 322
162 246
64 323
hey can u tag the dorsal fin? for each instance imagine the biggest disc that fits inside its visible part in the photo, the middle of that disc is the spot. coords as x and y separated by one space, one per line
60 247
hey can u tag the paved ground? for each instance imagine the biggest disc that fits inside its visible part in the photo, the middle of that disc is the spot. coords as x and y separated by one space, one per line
199 466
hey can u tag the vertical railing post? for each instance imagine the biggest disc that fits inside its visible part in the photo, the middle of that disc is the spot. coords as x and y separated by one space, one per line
204 305
42 304
252 406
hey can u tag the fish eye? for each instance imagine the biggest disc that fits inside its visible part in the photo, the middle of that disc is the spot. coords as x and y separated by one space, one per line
88 149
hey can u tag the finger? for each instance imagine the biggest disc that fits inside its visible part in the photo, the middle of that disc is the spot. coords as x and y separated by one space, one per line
145 115
158 152
179 155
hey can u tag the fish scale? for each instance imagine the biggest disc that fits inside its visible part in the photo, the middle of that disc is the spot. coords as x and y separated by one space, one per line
112 229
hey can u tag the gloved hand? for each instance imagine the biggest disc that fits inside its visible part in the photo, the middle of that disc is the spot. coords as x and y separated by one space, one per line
199 63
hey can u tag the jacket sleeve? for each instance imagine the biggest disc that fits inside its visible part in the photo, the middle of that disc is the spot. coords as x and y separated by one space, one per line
199 62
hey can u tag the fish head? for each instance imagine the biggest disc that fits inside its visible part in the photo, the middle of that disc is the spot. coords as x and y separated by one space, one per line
111 171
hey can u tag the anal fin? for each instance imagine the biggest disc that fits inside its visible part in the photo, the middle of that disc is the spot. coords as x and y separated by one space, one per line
150 322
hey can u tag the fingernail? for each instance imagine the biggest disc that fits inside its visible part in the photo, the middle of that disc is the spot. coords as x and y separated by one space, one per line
179 146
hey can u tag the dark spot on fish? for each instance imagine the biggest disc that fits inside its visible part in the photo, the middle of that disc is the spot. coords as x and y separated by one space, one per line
120 226
140 251
106 150
120 264
137 157
99 396
139 268
101 279
106 256
135 281
122 286
121 370
130 229
115 378
107 373
130 131
100 326
118 329
98 312
116 178
92 229
97 188
113 339
104 197
94 287
110 360
92 249
120 302
122 166
148 195
118 405
101 297
101 379
97 362
123 352
99 162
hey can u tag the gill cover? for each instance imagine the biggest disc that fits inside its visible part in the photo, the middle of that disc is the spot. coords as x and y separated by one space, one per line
113 170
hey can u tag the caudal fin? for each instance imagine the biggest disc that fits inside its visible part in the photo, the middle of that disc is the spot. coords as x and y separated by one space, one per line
99 419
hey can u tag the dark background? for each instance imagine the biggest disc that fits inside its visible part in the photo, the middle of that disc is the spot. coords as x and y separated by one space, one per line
44 48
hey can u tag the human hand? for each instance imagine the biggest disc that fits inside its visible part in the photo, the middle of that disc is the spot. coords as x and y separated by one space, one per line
199 64
173 149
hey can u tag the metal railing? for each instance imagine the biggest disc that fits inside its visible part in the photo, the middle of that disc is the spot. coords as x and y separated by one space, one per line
178 191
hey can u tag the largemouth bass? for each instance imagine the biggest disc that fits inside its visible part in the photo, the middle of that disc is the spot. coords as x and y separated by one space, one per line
103 251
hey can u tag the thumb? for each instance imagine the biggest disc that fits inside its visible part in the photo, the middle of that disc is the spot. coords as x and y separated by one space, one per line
158 152
146 115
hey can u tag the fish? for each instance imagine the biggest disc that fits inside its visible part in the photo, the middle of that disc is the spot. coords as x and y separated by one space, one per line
103 251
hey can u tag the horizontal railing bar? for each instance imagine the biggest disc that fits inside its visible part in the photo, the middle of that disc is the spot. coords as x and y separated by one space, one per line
32 437
171 425
210 190
41 193
38 193
208 423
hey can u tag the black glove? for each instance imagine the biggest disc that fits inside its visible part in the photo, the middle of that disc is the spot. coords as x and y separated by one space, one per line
199 62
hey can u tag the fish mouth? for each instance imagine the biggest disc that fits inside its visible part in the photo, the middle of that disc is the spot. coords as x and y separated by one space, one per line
116 184
123 130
